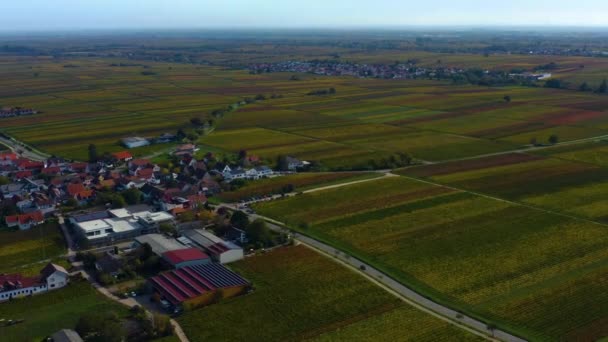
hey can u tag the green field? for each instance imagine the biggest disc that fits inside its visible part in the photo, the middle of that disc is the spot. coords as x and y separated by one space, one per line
23 251
499 269
300 294
47 313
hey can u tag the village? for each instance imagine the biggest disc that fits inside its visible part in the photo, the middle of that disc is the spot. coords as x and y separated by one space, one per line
129 221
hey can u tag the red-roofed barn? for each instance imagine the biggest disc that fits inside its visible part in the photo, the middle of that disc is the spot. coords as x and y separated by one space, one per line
186 257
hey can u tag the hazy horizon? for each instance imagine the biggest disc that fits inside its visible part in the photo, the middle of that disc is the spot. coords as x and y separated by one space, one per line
70 15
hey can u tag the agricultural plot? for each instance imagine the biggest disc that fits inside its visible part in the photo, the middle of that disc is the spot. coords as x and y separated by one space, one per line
28 247
296 182
308 296
458 248
47 313
573 180
98 101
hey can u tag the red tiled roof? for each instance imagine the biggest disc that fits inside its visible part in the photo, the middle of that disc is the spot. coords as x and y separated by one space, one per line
140 162
23 174
178 210
35 216
14 279
183 255
200 198
75 188
51 170
110 183
145 173
8 156
85 194
78 166
122 155
28 164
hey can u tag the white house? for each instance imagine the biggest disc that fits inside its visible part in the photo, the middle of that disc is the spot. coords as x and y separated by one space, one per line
133 142
51 277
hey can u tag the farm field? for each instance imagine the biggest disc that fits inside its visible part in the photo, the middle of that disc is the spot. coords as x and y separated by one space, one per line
30 247
96 100
308 296
570 179
300 182
458 248
47 313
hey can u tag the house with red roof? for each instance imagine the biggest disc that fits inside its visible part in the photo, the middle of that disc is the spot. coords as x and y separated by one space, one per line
51 171
186 257
26 164
78 167
197 201
25 221
7 158
23 174
51 277
123 156
74 189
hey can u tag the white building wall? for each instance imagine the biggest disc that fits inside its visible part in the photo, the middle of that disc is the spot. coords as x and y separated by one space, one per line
18 293
231 255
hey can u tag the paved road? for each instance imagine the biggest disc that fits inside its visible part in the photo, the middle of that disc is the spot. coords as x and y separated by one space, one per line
20 149
409 295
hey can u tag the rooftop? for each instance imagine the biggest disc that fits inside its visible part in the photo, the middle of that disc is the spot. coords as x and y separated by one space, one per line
192 281
159 243
184 255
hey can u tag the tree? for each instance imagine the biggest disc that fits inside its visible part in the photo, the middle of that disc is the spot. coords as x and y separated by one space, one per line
507 98
4 180
196 122
93 153
100 326
242 154
239 219
187 216
258 233
282 163
553 139
132 196
180 134
533 141
553 83
118 202
603 89
584 87
332 90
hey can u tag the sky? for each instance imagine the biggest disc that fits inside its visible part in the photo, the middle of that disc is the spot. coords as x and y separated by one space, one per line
36 15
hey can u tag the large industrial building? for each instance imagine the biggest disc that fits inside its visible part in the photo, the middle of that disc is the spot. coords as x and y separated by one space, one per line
221 251
199 284
113 225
